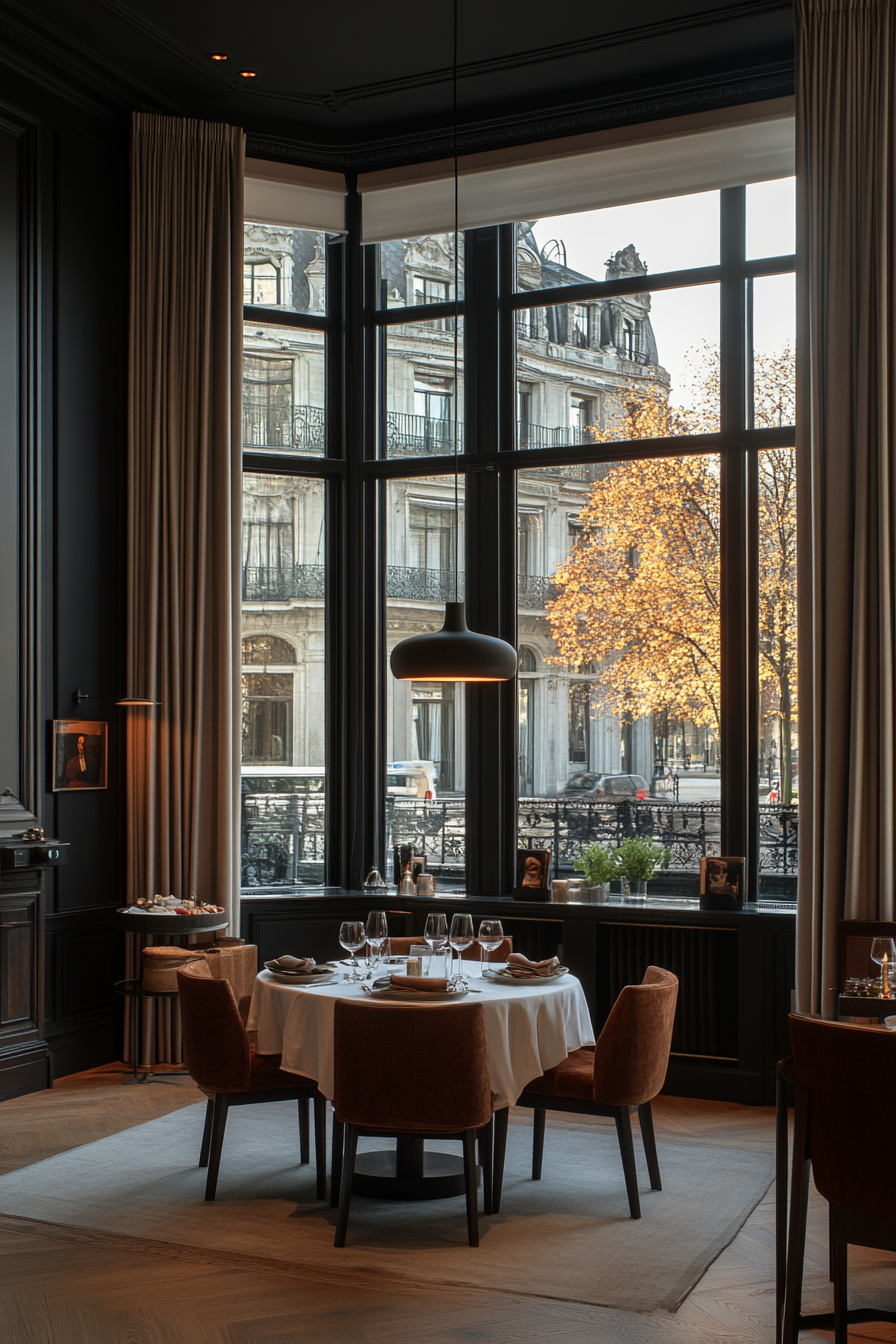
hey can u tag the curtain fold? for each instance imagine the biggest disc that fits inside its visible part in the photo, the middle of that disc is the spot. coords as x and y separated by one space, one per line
184 495
846 171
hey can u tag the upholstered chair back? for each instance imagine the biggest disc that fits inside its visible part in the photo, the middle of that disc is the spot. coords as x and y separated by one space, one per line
847 1076
408 1066
402 946
632 1053
216 1049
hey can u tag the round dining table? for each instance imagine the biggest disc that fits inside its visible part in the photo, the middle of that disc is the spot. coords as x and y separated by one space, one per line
530 1027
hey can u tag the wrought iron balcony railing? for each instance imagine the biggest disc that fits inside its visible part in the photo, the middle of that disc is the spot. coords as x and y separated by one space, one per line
420 435
265 583
423 585
300 427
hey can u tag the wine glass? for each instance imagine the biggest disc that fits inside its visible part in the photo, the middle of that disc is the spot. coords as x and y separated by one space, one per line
490 936
461 936
883 951
435 932
352 937
377 933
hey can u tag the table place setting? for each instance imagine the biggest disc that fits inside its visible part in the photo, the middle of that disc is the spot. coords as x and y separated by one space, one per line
520 970
300 970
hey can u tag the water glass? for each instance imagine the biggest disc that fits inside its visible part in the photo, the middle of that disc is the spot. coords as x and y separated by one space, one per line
883 951
490 936
460 936
377 933
352 937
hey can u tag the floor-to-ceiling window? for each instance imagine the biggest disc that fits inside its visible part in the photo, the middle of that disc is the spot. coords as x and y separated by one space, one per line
283 559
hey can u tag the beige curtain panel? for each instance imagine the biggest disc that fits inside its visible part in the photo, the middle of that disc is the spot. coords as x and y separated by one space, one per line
184 508
846 173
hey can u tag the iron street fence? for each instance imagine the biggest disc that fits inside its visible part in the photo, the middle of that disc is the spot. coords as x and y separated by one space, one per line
283 833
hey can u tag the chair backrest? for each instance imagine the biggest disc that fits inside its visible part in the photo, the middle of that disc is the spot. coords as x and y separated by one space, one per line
409 1066
239 965
632 1052
846 1077
402 946
216 1048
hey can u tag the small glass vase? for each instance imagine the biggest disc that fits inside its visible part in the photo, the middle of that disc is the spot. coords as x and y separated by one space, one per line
596 895
634 891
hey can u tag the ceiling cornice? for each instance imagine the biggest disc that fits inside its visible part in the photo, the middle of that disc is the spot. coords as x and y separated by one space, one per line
673 100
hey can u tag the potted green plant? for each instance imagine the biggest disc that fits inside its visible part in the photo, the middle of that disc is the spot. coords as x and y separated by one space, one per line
637 859
600 867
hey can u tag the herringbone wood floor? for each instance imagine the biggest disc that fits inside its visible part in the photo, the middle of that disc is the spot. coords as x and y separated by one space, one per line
59 1285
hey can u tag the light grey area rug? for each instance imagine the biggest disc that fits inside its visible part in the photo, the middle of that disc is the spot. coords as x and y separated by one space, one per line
568 1236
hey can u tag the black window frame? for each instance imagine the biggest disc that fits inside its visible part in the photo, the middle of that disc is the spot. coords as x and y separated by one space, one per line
357 472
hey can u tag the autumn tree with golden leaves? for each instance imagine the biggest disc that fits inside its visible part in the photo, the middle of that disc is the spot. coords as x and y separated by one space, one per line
638 595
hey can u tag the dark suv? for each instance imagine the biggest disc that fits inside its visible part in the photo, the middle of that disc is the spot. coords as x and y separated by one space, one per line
615 788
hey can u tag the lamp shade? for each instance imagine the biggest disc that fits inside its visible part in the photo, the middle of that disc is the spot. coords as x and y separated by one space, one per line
453 653
131 701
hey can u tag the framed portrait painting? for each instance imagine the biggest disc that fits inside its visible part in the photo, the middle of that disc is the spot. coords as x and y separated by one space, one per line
80 751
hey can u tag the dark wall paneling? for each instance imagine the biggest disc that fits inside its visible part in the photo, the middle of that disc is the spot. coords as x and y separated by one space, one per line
63 350
91 294
9 642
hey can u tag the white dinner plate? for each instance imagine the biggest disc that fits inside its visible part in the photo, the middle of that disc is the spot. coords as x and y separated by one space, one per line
291 978
505 978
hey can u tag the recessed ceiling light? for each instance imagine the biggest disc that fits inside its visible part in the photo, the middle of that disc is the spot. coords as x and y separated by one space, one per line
219 56
248 74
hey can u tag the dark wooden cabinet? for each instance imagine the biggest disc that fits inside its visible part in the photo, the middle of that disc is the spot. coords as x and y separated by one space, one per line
24 1056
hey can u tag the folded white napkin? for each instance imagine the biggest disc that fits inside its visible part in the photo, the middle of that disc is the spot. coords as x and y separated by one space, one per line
524 969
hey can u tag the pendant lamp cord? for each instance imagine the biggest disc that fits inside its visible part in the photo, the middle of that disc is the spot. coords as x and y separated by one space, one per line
456 323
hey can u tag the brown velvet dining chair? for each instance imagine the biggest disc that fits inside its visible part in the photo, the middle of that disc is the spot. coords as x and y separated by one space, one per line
618 1076
225 1066
416 1070
845 1097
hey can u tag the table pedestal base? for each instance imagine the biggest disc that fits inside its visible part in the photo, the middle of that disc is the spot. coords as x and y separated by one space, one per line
409 1172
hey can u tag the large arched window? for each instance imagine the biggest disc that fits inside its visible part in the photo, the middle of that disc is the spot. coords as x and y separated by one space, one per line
267 649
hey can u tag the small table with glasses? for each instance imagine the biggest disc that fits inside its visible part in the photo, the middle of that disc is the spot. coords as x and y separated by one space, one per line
530 1027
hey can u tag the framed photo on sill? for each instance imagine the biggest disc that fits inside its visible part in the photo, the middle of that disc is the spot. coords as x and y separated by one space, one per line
80 755
533 867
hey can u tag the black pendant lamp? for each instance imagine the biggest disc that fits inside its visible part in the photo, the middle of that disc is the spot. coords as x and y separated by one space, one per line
454 653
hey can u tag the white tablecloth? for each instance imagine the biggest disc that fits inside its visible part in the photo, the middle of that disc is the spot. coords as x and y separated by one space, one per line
530 1028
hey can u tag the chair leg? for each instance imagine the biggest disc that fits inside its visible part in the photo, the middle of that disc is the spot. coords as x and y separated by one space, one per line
336 1168
219 1122
345 1192
623 1119
796 1239
320 1144
486 1152
648 1138
831 1243
841 1323
206 1133
781 1182
470 1186
500 1118
304 1132
538 1143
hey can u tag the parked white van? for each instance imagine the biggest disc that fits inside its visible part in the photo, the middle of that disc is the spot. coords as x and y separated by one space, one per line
411 779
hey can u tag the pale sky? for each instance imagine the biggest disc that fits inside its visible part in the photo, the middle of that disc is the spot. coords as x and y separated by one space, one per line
683 232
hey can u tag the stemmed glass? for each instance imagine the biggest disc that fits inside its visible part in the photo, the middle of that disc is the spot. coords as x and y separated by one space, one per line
461 936
490 936
377 933
883 951
352 937
435 932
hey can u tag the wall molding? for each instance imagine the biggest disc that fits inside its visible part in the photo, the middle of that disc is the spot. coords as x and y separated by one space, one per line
594 115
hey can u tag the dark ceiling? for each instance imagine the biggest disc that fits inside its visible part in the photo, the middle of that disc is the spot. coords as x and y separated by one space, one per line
355 84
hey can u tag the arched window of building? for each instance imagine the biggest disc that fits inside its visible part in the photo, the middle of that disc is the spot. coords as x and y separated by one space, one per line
267 649
527 660
526 739
580 724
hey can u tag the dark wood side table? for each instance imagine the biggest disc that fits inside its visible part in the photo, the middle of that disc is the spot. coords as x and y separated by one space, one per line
133 989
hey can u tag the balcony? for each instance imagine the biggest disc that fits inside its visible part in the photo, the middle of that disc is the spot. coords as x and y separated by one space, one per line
302 428
265 583
423 585
420 436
